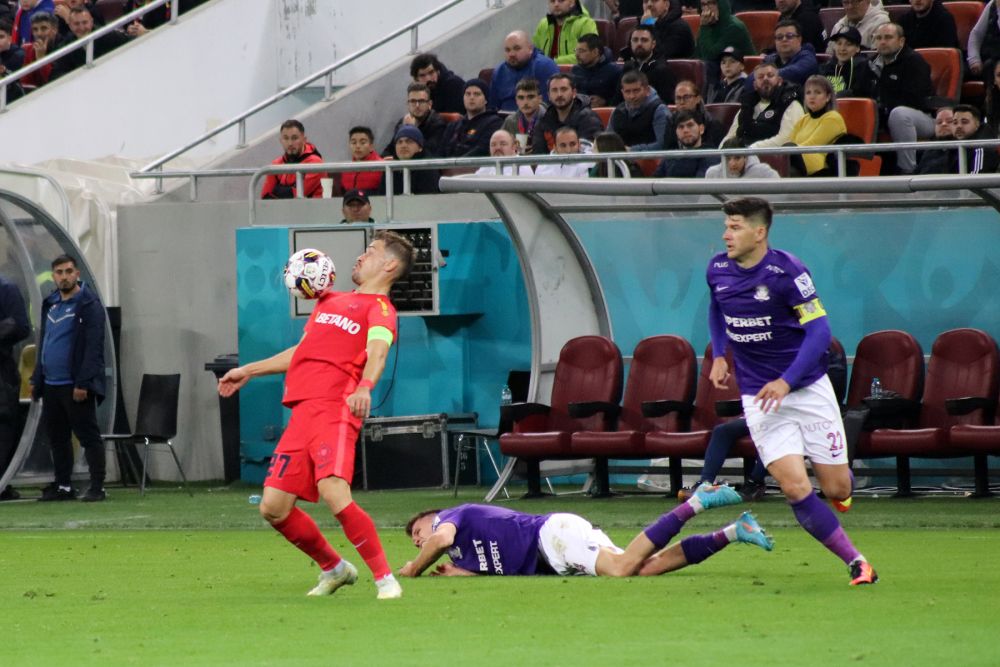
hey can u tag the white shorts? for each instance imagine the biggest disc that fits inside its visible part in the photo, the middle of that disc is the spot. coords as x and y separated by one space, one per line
570 544
807 423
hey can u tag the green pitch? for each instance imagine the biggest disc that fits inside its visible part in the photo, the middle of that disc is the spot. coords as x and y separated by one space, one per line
174 580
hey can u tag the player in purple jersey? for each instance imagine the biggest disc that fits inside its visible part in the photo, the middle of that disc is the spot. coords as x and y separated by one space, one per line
765 308
483 539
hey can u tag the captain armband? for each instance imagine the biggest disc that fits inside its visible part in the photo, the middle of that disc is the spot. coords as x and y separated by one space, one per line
380 333
810 310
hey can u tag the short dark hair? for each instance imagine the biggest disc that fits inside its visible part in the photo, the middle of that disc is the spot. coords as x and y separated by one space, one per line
635 76
44 17
63 259
528 85
423 61
417 87
789 23
591 40
684 115
399 247
417 517
969 109
644 28
291 122
609 142
565 129
6 26
561 75
361 129
81 9
754 209
734 142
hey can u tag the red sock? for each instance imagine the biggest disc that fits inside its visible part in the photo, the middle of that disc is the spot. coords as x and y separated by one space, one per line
299 529
360 530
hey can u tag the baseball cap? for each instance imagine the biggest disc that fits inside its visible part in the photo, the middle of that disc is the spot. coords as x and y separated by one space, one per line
848 33
731 52
356 195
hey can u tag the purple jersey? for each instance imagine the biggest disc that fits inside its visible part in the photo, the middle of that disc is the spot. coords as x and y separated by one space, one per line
493 540
763 310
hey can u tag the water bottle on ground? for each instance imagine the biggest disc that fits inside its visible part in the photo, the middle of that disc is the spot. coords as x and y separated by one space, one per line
876 388
254 499
506 398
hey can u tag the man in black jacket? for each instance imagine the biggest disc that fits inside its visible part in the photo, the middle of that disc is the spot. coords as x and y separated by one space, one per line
566 109
807 16
14 328
968 126
596 73
81 23
421 115
409 144
640 56
69 374
929 25
470 135
674 38
446 87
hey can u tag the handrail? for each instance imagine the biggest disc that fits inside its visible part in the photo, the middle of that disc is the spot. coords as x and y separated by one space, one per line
240 120
85 43
56 185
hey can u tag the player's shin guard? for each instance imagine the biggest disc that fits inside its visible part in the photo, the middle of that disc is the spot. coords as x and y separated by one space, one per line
820 522
699 547
360 530
661 531
299 529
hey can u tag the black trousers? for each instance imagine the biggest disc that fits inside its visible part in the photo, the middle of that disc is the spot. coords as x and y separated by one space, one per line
61 415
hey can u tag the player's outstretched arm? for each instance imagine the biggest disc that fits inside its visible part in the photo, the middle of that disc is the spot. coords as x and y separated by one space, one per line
433 548
236 378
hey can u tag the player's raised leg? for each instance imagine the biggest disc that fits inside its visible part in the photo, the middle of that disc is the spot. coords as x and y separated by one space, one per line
697 548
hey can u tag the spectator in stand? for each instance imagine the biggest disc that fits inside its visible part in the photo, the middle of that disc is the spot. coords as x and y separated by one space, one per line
806 15
968 126
936 160
558 33
62 10
361 143
929 25
410 146
820 126
740 166
902 92
991 103
769 111
470 135
640 56
864 16
297 150
521 60
687 95
26 10
609 142
502 144
641 120
720 30
984 39
566 108
45 40
357 207
521 124
689 128
567 143
11 55
796 61
732 77
849 71
447 88
421 115
596 73
81 24
674 38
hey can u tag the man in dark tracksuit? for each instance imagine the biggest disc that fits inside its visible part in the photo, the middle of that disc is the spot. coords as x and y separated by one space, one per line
14 328
69 375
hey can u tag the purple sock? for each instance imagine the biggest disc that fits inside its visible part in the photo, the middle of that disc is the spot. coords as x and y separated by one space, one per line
699 547
820 522
661 531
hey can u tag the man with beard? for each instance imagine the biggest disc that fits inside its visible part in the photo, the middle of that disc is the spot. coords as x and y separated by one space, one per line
297 150
521 60
446 87
566 109
558 33
689 129
639 57
769 111
596 73
421 115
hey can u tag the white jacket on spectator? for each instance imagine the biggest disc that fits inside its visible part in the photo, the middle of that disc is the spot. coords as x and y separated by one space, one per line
564 170
873 18
753 169
508 170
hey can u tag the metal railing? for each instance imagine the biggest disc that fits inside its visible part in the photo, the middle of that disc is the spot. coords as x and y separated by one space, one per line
86 43
64 217
326 74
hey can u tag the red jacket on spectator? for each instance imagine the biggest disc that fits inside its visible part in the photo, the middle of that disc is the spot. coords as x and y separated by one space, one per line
363 180
282 186
38 77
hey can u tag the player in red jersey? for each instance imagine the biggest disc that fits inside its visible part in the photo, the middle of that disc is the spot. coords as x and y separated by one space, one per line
330 375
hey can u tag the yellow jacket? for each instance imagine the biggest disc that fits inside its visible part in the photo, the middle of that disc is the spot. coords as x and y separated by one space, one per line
811 131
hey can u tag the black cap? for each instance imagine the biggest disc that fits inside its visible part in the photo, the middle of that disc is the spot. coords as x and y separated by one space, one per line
731 52
848 33
356 195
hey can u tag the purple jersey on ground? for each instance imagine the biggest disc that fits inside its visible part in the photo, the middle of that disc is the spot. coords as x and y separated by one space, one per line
759 311
493 540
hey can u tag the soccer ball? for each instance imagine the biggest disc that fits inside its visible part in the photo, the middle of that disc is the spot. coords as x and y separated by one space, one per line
309 273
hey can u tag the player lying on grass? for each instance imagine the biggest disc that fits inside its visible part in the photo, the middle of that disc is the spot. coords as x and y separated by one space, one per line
482 539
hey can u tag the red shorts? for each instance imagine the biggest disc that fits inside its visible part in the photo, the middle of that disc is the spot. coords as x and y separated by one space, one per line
318 443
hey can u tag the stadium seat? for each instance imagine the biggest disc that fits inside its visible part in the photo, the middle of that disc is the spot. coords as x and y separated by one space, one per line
694 22
692 443
623 32
110 9
566 68
896 12
823 58
155 424
980 442
606 31
663 370
861 118
778 162
750 63
973 92
965 14
761 26
449 116
688 70
648 166
589 371
946 71
724 112
486 74
961 388
604 113
829 16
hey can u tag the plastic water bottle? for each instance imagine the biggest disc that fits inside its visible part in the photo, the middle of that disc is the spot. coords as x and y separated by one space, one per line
876 388
506 398
254 499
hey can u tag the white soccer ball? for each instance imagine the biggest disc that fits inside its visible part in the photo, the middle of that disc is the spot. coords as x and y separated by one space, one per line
309 273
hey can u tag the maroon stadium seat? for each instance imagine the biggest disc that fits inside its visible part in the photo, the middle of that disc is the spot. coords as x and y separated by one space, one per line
688 70
980 442
761 26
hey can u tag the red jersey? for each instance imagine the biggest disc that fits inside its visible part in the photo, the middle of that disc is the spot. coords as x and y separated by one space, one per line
332 354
